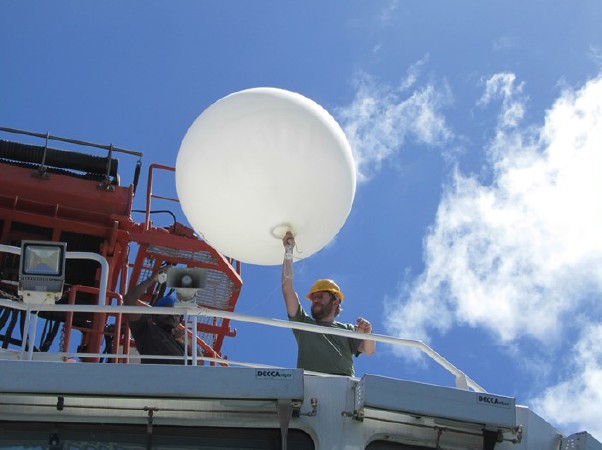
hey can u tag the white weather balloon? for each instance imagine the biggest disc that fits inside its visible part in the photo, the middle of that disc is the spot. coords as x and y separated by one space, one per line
262 161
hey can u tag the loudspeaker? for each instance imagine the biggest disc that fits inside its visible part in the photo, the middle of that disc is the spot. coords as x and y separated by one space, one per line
186 281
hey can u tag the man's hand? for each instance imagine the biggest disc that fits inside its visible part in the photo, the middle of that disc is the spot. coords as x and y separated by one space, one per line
367 347
160 275
178 334
288 240
363 326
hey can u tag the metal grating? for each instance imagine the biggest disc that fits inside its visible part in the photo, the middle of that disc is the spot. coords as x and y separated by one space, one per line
197 256
217 293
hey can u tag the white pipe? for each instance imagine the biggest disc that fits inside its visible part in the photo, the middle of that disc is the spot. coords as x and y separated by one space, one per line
104 271
25 332
31 336
185 339
202 311
461 378
194 340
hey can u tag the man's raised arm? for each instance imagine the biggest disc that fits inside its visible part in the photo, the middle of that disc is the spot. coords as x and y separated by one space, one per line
291 299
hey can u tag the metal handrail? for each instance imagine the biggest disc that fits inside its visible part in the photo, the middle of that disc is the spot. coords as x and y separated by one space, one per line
47 136
193 312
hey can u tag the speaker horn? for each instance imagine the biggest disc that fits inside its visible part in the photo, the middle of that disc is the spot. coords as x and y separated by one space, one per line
186 281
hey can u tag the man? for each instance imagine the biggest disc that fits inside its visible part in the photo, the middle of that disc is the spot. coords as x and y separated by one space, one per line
322 352
156 334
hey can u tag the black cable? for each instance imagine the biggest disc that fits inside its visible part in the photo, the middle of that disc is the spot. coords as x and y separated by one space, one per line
108 345
11 341
44 331
54 329
8 335
4 316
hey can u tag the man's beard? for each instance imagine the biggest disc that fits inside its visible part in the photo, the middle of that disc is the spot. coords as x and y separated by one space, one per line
319 312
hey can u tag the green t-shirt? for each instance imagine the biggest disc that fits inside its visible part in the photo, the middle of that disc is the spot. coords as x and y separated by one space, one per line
325 353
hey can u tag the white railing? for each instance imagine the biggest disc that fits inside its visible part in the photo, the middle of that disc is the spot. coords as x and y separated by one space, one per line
191 314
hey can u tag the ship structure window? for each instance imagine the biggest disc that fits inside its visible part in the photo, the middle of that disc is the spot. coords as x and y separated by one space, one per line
93 436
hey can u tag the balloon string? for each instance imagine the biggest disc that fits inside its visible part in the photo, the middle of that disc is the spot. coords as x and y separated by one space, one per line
287 268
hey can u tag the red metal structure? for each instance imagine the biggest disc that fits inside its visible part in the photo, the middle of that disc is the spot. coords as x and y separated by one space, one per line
74 197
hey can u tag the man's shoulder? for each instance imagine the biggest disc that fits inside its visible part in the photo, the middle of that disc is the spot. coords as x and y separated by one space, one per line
301 316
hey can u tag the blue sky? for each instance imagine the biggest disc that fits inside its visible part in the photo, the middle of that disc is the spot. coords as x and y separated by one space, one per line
476 128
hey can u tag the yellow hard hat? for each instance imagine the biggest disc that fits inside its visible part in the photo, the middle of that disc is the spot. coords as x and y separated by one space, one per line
325 285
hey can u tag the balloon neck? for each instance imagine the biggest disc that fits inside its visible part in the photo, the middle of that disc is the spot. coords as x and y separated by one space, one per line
280 230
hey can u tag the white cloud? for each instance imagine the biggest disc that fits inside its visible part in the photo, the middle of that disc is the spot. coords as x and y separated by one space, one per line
577 401
516 256
387 13
521 257
502 87
381 118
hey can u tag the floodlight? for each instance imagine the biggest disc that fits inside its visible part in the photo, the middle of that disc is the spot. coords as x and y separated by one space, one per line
42 271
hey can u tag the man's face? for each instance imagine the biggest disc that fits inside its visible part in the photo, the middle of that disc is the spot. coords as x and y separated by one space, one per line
322 305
